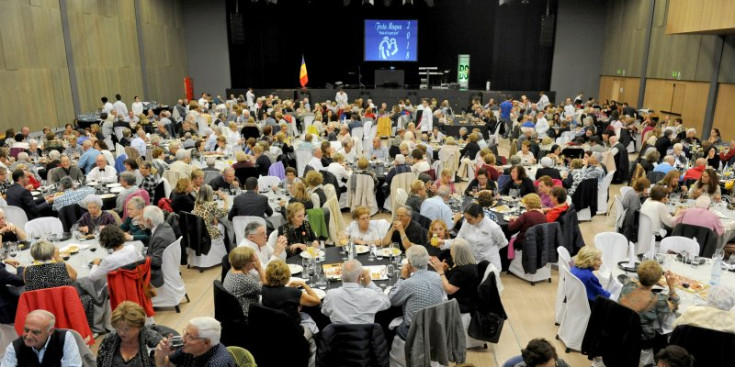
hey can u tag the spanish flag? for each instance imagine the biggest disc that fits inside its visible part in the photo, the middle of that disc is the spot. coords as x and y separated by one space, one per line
303 76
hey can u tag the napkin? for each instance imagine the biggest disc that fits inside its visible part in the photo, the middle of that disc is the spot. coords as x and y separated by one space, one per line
631 255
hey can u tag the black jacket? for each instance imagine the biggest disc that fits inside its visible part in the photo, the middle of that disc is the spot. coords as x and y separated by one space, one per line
250 203
8 301
19 196
704 236
630 225
551 172
613 333
622 164
352 345
573 240
470 150
159 241
585 196
709 347
540 245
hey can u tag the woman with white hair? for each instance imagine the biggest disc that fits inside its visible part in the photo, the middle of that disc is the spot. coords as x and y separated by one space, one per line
95 218
700 215
691 138
679 155
461 280
201 347
718 314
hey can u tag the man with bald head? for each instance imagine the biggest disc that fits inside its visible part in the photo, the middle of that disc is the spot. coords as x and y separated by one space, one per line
66 169
358 300
103 172
42 345
316 161
377 150
226 181
86 161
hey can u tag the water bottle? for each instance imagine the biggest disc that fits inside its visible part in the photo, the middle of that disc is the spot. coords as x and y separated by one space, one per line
716 269
351 251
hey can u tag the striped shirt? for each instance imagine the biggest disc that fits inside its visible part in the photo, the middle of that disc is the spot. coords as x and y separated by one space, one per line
423 289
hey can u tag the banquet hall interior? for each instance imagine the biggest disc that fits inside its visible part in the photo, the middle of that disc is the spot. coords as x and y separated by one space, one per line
368 182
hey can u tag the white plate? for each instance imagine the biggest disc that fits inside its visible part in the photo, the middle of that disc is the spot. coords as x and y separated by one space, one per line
296 278
309 256
377 272
114 184
386 252
295 269
107 196
35 193
92 183
319 293
362 249
117 190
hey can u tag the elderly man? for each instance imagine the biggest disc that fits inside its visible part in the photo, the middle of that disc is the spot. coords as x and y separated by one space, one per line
201 347
19 196
250 202
728 158
436 207
405 231
139 142
377 150
418 288
717 314
316 161
42 345
257 239
400 166
127 181
66 169
226 181
358 300
70 195
182 166
86 161
162 235
103 172
666 166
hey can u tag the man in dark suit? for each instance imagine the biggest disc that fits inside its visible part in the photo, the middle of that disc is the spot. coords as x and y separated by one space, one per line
8 300
250 202
162 235
18 195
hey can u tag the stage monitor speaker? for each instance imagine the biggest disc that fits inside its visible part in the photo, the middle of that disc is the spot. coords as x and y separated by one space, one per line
546 38
237 28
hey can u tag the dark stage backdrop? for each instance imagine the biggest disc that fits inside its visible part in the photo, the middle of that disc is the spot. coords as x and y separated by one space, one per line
503 42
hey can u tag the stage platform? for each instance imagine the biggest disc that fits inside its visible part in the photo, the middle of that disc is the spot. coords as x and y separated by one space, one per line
458 99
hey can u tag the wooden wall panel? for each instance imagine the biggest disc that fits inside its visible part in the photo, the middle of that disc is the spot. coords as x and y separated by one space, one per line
624 37
684 97
725 110
33 69
727 63
619 89
105 47
702 17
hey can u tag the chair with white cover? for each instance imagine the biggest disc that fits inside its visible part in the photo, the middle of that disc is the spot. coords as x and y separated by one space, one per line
173 290
302 158
602 193
272 239
677 244
614 247
268 182
560 305
202 126
401 180
619 212
308 118
119 150
241 221
119 132
166 188
15 215
42 225
577 315
172 177
624 190
645 234
382 225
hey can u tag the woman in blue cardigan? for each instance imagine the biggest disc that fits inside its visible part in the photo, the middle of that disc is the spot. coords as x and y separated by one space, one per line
587 261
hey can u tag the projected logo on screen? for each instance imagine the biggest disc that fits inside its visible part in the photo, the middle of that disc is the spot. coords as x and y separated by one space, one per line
390 40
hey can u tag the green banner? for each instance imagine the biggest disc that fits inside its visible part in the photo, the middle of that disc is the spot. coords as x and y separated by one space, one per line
463 71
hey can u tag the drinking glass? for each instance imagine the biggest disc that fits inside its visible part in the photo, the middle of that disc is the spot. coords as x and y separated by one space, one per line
371 253
305 264
379 253
13 250
392 253
321 281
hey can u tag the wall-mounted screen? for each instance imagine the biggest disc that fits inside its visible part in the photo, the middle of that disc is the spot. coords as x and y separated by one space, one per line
391 40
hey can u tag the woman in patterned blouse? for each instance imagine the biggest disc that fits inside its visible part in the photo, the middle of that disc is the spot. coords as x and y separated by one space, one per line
208 210
238 281
297 230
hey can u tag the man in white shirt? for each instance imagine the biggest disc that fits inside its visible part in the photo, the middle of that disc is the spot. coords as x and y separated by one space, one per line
257 239
120 106
42 344
204 102
568 108
139 142
543 101
357 300
316 161
106 106
341 98
250 97
542 125
427 118
103 172
137 106
436 207
182 166
377 150
131 118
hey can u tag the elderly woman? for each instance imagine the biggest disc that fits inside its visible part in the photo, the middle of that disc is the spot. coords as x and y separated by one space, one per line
130 342
533 216
445 179
314 181
238 280
417 195
113 238
9 231
525 154
518 181
362 231
470 150
651 306
707 185
232 136
95 219
337 168
717 314
655 208
547 169
485 236
701 216
298 195
588 260
482 181
284 294
207 209
242 160
297 229
575 176
133 232
559 204
181 197
48 269
461 280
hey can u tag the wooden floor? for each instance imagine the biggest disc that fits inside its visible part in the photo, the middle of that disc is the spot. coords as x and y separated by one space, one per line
530 309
